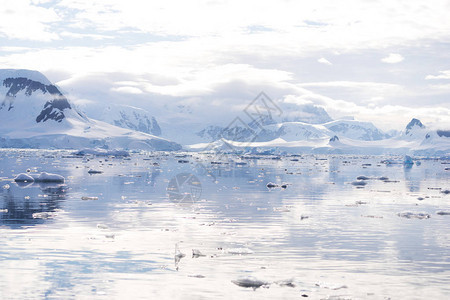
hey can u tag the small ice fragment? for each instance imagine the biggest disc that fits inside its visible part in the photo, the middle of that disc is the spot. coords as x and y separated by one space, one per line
359 183
196 253
6 187
249 282
49 177
239 251
197 276
42 215
22 177
286 282
4 210
408 161
102 226
89 198
413 215
443 213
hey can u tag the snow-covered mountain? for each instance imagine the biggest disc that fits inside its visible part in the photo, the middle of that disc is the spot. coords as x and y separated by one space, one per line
414 130
364 131
294 131
34 113
125 116
300 137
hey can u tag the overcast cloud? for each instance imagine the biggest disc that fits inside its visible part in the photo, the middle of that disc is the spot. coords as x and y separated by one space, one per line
380 61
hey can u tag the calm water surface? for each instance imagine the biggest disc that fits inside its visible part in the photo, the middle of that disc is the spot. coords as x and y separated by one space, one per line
323 237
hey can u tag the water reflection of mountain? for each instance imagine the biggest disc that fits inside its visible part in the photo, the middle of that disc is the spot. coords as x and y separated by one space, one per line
20 202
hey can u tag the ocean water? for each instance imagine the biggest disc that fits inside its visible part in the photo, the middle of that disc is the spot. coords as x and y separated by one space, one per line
129 232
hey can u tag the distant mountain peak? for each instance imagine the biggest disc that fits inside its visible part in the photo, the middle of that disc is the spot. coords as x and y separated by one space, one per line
414 122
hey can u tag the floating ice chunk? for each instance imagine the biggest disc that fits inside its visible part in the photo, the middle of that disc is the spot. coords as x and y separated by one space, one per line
49 177
22 177
6 187
4 210
92 171
197 276
250 282
414 215
359 183
89 198
43 215
286 282
196 253
408 161
239 251
102 152
443 213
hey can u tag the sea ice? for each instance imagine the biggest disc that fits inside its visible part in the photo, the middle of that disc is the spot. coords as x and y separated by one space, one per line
250 282
22 177
443 213
359 183
48 177
413 215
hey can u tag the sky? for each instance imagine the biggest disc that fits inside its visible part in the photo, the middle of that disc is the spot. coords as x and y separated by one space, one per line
379 61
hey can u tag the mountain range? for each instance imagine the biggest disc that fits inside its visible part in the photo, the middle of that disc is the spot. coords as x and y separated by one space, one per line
34 113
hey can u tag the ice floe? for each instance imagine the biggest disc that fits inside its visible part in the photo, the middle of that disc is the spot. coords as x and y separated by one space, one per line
250 282
414 215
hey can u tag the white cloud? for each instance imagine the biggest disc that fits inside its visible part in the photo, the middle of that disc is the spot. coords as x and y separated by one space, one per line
21 20
393 58
443 75
325 61
127 90
178 50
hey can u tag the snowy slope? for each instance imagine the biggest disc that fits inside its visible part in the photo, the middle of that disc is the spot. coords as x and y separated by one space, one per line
124 116
356 130
34 113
